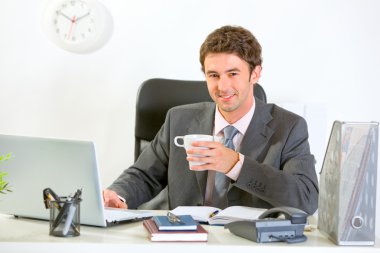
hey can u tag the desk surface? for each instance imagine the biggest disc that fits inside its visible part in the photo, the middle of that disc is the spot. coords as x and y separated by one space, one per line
27 235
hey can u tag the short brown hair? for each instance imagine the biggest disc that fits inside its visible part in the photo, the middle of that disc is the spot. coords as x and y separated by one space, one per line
232 39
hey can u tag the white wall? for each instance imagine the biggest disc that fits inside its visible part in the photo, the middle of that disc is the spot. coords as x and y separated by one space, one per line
322 53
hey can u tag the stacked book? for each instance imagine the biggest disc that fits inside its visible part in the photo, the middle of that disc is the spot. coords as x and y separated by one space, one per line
172 228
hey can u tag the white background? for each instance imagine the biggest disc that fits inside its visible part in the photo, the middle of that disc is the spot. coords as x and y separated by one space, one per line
320 59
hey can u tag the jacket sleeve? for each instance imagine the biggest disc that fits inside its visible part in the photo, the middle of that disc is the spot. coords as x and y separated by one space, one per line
148 175
285 175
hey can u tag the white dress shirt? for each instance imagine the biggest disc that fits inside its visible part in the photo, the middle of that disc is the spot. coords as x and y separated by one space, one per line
241 125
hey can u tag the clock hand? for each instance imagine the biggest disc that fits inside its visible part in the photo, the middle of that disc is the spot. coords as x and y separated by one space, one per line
85 15
64 15
71 27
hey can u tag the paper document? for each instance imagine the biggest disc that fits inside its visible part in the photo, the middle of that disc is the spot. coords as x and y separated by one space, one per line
216 216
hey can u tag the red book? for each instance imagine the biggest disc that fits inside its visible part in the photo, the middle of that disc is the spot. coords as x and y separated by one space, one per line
199 235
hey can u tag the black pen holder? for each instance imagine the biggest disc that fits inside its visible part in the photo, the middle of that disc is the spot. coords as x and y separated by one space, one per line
65 217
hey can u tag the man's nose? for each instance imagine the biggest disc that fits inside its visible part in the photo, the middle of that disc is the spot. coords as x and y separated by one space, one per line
224 83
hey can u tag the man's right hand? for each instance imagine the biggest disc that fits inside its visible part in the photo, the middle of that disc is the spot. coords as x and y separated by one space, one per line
111 199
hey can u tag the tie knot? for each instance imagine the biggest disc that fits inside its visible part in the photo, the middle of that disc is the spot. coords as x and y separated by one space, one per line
229 134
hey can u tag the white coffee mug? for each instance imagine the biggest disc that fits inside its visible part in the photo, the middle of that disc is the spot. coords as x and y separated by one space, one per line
187 140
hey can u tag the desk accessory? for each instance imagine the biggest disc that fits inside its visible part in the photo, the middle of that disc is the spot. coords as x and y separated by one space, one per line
64 213
347 196
174 222
172 218
156 235
271 228
79 26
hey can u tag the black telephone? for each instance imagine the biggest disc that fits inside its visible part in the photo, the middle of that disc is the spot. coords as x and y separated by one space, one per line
274 225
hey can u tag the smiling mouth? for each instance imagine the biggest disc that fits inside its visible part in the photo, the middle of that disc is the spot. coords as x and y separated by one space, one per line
226 96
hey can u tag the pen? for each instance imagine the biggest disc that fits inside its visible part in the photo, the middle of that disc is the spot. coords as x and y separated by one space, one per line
213 213
70 213
62 213
69 219
77 194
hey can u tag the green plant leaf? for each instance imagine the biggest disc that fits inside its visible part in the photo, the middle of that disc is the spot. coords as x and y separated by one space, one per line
3 184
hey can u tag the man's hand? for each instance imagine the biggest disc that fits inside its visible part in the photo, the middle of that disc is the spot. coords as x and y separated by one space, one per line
111 199
217 156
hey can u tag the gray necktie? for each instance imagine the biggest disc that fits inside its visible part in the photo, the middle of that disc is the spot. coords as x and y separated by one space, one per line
219 197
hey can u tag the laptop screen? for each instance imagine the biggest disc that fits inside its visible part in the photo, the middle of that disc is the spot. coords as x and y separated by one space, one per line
62 165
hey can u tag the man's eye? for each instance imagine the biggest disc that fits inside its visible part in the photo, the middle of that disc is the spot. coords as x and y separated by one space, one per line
233 74
213 75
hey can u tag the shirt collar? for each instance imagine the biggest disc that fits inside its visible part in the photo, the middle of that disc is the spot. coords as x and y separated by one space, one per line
241 125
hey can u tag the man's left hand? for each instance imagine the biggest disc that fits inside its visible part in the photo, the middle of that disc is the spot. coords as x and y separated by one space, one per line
216 157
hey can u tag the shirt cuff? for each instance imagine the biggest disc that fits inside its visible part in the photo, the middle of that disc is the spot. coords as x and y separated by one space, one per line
235 171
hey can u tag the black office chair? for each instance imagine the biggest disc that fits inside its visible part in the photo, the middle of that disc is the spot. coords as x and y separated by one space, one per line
155 97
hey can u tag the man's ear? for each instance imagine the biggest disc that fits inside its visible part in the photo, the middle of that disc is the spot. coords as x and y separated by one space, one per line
256 74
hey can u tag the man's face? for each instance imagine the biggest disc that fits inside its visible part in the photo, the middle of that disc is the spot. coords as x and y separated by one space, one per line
230 84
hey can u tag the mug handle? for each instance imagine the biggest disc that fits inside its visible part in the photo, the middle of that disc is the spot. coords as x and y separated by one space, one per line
176 141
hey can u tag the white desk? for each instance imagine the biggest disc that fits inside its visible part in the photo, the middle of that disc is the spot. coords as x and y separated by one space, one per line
27 235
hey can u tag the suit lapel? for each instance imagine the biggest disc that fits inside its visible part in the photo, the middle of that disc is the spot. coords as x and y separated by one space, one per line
203 121
258 132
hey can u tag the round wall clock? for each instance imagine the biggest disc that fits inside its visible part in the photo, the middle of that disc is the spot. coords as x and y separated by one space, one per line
80 26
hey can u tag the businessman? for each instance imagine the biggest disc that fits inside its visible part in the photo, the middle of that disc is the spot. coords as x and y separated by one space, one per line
265 160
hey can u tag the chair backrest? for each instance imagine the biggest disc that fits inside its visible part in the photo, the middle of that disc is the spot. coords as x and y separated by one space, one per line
156 96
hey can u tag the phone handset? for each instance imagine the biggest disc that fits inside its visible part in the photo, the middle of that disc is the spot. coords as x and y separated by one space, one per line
295 215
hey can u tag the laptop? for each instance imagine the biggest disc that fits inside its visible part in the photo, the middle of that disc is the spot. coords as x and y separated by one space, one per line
62 165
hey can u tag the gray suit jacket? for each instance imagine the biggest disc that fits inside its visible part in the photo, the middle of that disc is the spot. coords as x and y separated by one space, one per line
278 168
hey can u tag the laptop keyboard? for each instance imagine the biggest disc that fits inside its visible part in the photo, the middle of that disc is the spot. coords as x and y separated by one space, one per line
118 214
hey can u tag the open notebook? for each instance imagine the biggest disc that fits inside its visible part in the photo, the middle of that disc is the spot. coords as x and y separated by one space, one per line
62 165
217 216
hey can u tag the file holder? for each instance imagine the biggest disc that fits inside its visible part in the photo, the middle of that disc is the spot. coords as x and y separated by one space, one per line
347 196
65 217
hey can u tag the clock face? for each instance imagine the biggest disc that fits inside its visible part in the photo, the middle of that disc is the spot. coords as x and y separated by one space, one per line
74 22
79 26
